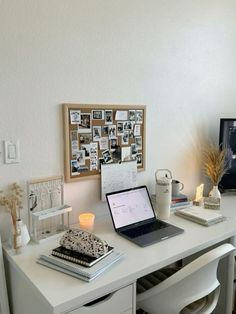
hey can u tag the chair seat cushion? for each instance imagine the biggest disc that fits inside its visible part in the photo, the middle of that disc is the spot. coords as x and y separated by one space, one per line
153 279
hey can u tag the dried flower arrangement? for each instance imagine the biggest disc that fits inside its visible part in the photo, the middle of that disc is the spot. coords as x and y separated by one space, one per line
214 163
12 201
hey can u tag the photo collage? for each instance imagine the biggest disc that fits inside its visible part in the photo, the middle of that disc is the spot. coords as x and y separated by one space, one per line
104 135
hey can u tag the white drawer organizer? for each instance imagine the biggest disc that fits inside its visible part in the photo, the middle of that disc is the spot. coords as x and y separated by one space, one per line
48 215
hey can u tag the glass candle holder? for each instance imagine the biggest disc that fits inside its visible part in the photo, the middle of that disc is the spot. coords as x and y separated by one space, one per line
86 221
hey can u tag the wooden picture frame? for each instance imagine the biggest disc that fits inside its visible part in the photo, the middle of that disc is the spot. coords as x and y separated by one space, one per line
96 134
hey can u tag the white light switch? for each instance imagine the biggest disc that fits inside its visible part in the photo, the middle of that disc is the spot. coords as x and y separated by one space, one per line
12 152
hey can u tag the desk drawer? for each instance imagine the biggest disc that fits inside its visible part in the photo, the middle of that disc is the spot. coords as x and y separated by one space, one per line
117 302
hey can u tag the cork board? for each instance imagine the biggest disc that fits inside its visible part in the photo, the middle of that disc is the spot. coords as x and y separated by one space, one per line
97 134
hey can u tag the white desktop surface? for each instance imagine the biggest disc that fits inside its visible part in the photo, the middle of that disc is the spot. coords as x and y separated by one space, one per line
63 293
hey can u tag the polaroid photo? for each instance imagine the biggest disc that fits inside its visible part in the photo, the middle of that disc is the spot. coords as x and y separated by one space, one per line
139 158
131 134
113 143
74 135
74 142
80 157
74 167
108 116
93 164
131 115
104 130
85 123
138 142
116 154
98 114
86 148
103 143
120 128
139 116
125 153
75 116
128 125
85 138
137 130
74 148
112 131
125 138
134 149
97 132
107 156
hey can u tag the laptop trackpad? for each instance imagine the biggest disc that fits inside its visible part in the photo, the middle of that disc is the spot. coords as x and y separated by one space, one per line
157 236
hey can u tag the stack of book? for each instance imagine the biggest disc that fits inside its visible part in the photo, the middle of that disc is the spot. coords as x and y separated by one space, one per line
180 201
79 265
177 202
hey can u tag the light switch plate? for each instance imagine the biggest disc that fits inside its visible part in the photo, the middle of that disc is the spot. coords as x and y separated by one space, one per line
12 152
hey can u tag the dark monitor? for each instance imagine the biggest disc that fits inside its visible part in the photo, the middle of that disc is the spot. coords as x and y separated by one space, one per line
227 139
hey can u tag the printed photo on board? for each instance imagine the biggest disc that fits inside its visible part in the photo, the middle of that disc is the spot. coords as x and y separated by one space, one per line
108 116
139 116
85 123
75 116
98 114
96 133
112 131
85 138
107 156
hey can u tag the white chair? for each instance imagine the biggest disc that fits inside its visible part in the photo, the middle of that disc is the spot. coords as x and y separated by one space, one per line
192 289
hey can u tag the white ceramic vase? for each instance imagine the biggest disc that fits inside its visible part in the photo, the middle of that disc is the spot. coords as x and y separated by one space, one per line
215 192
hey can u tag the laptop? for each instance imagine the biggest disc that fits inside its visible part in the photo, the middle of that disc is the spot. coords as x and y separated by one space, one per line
134 218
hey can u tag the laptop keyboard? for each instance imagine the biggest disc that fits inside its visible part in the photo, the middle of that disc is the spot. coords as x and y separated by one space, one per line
144 229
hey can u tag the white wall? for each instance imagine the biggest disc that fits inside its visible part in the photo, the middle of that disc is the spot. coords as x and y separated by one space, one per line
177 57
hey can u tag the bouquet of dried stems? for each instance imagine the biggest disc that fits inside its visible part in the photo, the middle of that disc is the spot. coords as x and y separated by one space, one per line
12 201
214 163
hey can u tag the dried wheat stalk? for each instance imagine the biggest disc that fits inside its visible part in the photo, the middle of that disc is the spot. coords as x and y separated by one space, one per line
215 165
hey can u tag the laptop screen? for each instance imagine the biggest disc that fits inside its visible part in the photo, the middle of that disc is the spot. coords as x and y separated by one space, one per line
130 206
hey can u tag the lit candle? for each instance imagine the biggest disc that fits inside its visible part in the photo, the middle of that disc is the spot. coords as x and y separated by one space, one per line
86 221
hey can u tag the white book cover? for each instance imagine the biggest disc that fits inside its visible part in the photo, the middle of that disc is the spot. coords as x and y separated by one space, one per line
200 215
90 272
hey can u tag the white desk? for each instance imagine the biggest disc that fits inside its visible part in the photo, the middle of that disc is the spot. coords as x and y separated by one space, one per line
37 289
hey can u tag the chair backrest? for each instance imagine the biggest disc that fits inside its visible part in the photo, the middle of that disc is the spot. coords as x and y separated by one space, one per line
192 282
4 307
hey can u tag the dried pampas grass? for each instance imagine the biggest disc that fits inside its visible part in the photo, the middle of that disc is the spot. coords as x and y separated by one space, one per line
12 201
215 164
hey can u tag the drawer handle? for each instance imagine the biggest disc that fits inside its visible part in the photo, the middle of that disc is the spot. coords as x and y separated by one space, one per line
99 300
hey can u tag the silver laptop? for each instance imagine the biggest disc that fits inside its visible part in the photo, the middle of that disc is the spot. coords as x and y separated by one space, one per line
134 218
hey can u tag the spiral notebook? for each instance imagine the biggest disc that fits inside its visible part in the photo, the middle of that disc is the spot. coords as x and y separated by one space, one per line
77 257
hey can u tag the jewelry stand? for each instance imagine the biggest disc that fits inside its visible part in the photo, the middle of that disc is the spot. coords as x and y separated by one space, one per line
48 215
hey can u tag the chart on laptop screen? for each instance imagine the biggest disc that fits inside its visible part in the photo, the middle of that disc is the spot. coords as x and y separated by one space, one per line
130 207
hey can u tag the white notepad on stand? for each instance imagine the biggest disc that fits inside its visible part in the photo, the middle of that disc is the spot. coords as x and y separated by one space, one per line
118 176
